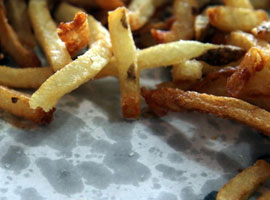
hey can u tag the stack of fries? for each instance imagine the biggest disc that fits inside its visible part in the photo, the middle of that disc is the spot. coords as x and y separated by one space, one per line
219 56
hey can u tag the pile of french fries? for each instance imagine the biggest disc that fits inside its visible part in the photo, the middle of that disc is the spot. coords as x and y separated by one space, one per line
219 54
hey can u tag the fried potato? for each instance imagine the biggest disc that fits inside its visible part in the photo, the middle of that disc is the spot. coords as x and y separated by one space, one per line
184 12
233 19
180 51
10 43
109 5
246 40
141 11
265 196
18 104
244 184
46 33
238 3
187 70
75 34
203 29
262 31
24 77
79 71
125 54
251 77
19 19
164 99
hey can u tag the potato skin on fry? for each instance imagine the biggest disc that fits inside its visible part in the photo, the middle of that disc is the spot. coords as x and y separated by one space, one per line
18 104
75 34
164 99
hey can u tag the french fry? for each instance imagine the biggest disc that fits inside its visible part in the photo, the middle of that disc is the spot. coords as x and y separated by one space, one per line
202 28
262 31
109 5
46 33
75 34
239 3
24 77
188 70
244 184
265 195
18 104
141 11
251 77
125 54
10 43
246 41
233 19
180 51
164 99
79 71
184 12
19 19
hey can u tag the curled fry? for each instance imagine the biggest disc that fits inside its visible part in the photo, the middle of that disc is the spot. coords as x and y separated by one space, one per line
75 34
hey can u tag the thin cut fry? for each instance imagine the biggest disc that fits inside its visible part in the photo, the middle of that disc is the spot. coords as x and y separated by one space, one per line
46 32
184 12
18 104
180 51
244 184
233 19
252 75
19 19
24 78
239 3
164 99
109 5
76 73
10 43
262 31
125 54
75 34
265 196
141 11
246 41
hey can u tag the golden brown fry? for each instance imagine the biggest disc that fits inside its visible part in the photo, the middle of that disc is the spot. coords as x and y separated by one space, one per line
11 44
141 11
246 40
19 19
109 5
79 71
164 99
18 104
233 19
239 3
262 31
244 184
75 34
251 77
265 195
125 54
184 12
46 32
24 78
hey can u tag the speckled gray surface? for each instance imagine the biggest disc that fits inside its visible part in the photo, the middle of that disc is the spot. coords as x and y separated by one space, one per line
90 152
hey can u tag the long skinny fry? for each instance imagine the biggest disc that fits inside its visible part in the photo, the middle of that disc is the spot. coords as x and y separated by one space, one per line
19 18
164 99
125 54
77 72
18 104
10 43
24 77
244 184
46 32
